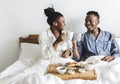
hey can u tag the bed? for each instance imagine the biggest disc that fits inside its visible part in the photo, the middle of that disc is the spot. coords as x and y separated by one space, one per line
29 69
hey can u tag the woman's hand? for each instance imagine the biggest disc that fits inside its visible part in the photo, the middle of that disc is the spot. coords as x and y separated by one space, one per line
66 53
108 58
62 37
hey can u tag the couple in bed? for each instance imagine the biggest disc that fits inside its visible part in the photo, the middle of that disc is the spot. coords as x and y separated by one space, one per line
55 45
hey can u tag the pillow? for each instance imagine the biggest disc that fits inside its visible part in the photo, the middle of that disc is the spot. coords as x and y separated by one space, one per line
29 52
118 41
77 36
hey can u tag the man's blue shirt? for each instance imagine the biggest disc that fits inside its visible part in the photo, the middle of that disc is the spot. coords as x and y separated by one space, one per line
104 44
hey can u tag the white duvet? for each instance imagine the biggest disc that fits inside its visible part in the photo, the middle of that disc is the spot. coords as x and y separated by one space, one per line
22 73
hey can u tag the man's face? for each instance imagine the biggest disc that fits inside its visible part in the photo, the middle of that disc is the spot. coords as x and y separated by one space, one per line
91 22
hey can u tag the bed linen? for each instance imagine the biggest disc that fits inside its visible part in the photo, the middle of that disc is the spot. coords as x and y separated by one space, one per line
31 71
22 73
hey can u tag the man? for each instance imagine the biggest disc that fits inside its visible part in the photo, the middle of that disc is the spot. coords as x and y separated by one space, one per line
95 41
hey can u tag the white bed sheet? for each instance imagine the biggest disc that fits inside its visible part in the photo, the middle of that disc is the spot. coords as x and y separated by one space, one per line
22 73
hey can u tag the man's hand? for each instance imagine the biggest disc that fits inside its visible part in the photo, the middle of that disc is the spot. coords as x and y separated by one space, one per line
108 58
66 53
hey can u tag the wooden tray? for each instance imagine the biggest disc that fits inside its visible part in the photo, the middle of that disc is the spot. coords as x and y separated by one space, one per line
87 75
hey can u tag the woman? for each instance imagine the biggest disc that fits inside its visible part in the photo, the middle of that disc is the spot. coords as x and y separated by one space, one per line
53 42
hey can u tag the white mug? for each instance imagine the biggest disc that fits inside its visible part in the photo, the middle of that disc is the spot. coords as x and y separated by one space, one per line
69 35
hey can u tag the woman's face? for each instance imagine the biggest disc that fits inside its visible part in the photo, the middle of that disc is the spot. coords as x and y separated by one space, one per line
91 22
60 24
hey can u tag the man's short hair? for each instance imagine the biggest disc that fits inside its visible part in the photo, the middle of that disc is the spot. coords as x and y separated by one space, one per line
94 13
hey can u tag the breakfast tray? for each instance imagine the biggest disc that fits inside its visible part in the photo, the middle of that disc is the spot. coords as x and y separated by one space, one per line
87 75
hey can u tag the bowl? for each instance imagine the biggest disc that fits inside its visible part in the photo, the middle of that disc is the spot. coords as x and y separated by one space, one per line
71 71
81 70
61 69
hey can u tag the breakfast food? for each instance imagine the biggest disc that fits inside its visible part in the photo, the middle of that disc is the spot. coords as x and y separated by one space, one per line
72 65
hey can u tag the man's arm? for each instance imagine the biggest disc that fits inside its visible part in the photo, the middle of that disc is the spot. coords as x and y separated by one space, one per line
76 50
115 52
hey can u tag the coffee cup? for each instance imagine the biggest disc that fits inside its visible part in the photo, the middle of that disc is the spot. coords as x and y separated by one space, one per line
69 35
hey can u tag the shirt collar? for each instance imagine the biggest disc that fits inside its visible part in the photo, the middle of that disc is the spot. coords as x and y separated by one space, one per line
51 35
89 35
100 36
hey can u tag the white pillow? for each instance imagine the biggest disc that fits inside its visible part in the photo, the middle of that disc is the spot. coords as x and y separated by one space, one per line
77 36
29 52
118 41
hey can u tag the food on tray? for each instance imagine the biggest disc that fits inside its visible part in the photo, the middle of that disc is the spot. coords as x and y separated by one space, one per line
72 64
71 67
71 71
81 70
68 74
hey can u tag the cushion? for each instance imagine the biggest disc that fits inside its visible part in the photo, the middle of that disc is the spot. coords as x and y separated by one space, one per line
77 36
118 41
29 52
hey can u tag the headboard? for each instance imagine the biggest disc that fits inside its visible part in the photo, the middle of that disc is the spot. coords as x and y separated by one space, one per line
32 38
116 36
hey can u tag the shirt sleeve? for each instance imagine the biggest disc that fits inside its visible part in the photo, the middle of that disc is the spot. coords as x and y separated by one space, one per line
79 47
114 48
